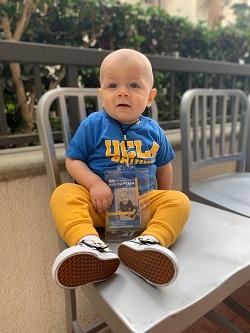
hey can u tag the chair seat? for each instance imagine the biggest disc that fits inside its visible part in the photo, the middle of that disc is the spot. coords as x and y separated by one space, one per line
214 257
231 192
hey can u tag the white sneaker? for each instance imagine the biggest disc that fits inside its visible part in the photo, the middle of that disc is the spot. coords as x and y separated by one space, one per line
148 259
84 263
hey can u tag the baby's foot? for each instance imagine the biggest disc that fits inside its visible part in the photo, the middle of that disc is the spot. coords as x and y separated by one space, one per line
147 258
89 261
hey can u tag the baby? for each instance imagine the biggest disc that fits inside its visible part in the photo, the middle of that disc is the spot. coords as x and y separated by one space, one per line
119 135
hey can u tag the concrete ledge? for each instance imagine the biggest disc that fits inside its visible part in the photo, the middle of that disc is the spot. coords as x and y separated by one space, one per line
24 162
29 161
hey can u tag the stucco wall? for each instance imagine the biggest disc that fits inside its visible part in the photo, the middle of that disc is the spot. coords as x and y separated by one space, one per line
29 299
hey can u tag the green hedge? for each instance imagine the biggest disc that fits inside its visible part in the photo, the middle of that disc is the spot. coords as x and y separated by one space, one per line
108 24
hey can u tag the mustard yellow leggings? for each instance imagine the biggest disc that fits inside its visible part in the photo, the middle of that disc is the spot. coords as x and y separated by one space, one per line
164 213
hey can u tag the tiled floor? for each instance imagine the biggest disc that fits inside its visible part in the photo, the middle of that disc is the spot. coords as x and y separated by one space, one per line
203 325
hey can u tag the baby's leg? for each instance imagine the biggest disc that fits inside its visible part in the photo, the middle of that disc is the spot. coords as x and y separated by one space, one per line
74 214
166 213
88 259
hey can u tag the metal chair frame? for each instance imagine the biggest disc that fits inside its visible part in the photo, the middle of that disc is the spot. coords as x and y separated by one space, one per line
52 168
180 310
215 126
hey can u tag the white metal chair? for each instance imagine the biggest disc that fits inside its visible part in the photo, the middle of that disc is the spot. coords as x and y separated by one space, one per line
215 126
209 270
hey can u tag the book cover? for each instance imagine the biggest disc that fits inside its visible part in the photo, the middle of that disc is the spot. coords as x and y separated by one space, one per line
124 212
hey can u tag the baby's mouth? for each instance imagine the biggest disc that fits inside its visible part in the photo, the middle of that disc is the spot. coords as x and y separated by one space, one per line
123 105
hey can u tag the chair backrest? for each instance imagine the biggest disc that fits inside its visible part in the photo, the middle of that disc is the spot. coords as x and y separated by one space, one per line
44 128
214 127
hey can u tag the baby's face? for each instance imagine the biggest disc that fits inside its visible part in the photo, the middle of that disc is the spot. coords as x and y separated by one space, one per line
124 198
126 88
124 201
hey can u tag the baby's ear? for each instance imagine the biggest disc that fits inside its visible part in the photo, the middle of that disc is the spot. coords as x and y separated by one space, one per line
151 96
99 93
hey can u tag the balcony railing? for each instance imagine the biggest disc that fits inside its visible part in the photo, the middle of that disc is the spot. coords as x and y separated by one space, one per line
214 74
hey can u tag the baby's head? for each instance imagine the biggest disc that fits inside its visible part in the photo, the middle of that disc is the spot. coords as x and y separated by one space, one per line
126 80
124 197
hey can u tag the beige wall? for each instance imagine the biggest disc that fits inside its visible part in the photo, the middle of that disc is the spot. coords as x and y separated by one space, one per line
195 10
30 301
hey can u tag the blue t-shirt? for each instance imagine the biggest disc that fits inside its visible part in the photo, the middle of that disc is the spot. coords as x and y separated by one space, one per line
99 142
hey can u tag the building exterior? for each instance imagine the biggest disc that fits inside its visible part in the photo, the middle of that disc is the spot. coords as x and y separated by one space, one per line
210 11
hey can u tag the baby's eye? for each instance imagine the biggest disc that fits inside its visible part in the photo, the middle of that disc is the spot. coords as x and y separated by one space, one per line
134 85
112 85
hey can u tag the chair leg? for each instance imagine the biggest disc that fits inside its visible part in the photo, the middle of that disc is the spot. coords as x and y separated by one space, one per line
96 327
70 308
72 323
70 300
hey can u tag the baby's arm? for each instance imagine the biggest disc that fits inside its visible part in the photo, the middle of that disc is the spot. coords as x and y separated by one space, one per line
164 177
100 193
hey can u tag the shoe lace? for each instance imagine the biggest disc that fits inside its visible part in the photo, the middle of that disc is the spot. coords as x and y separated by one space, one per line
101 247
146 241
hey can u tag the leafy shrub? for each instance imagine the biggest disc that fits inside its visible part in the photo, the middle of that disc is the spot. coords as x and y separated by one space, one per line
108 24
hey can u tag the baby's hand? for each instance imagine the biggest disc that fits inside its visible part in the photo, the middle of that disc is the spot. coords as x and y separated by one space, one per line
101 196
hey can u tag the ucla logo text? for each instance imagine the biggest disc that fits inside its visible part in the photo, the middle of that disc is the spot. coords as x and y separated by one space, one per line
116 150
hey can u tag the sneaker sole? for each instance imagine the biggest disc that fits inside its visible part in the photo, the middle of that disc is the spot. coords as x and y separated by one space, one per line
81 269
153 266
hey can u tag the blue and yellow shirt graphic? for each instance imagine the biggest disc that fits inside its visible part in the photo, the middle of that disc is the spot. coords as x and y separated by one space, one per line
99 142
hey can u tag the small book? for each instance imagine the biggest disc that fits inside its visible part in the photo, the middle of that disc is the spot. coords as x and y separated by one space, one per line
124 212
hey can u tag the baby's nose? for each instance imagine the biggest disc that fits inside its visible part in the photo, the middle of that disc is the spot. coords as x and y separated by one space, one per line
123 91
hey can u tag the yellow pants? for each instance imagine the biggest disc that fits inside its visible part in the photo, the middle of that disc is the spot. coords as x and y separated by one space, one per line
164 215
